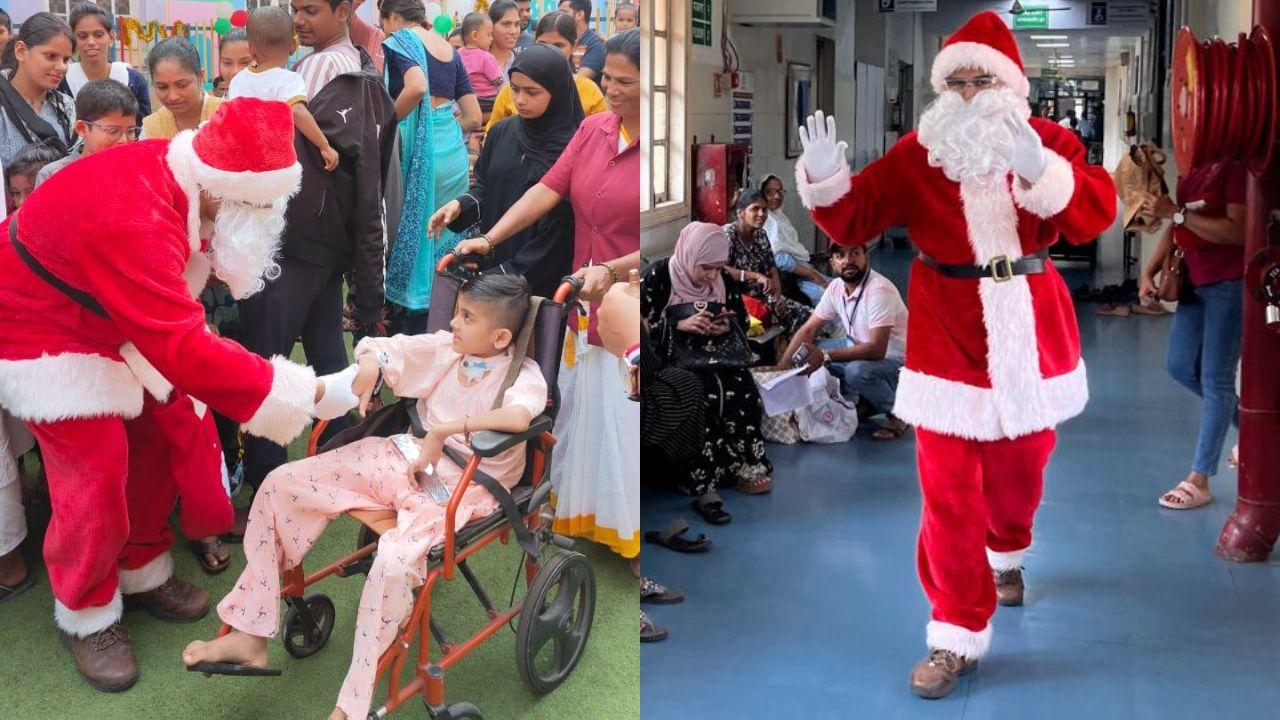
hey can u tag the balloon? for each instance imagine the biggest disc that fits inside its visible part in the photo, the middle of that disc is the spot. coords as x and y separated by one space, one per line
443 24
221 26
240 18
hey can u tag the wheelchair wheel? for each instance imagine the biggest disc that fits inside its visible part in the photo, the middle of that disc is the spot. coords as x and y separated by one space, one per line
301 641
556 621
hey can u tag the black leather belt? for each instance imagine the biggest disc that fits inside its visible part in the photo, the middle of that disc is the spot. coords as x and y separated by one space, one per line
999 269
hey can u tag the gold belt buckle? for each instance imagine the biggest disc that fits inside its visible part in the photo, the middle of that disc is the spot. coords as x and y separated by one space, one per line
997 263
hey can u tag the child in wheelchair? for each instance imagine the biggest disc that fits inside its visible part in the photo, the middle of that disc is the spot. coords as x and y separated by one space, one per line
456 376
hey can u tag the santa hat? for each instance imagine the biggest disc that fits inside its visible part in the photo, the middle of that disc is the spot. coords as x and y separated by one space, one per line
986 43
244 153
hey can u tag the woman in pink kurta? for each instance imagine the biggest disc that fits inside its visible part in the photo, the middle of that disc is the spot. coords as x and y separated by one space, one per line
298 500
597 473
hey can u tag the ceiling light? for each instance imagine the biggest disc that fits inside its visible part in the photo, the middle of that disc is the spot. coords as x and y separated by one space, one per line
1048 37
1053 45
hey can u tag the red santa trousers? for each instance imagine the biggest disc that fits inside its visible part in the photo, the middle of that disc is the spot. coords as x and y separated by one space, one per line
112 484
980 499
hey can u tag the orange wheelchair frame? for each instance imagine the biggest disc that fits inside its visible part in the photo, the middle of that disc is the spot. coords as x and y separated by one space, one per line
565 620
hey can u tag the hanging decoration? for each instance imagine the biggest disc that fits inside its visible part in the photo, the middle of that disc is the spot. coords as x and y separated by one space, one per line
240 18
132 30
443 24
221 26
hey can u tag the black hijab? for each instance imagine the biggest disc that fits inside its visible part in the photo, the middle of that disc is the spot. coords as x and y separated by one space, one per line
542 139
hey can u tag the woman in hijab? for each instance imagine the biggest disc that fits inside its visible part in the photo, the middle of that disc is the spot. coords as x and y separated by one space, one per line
517 152
732 450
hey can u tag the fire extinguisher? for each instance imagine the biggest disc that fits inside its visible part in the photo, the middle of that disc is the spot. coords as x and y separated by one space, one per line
1130 124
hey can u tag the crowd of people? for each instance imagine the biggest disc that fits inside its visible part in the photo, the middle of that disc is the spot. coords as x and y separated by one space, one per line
337 226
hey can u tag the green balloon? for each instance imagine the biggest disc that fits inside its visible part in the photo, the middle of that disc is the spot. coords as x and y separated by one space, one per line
221 25
443 24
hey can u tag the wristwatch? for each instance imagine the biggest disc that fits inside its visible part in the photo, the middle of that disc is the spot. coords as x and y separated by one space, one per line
1180 216
826 356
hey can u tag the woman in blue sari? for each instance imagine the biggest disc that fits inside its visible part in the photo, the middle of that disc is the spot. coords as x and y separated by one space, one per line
435 105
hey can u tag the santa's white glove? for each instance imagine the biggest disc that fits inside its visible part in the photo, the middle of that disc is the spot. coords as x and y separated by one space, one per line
338 400
1027 158
822 153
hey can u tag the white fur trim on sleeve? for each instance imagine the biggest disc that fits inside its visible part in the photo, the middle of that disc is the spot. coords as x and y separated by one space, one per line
976 55
1005 560
1052 192
147 374
83 623
961 641
289 406
826 192
148 577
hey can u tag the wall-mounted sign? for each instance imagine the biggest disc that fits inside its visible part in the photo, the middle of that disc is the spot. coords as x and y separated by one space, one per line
701 22
1031 18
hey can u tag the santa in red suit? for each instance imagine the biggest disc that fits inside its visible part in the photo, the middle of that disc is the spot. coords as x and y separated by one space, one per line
105 355
993 352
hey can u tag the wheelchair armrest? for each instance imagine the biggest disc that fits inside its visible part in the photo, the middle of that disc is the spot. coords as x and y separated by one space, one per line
488 443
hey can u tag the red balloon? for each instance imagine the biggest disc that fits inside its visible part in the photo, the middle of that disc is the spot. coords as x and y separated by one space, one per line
240 18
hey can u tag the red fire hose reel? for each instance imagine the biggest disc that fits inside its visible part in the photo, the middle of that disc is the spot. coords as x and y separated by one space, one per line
1225 100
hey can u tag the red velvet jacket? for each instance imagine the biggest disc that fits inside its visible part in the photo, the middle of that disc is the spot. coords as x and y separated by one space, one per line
123 226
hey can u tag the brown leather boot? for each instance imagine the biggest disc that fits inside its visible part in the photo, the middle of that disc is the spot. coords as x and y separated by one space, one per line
104 659
935 676
175 601
1009 587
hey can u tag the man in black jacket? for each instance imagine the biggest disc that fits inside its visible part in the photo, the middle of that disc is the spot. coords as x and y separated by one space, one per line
334 225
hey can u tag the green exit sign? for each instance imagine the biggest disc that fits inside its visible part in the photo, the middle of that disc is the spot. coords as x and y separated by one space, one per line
1032 18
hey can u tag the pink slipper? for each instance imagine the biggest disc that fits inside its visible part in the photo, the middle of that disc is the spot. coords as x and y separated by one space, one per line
1186 496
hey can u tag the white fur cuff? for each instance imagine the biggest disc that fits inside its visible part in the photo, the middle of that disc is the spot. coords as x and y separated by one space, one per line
83 623
289 406
826 192
961 641
1002 561
1052 192
148 577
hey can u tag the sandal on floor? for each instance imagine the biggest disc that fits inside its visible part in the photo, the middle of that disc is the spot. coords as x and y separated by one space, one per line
203 550
711 508
888 432
9 592
650 632
1114 310
672 537
1153 310
759 486
236 669
1185 496
655 593
235 535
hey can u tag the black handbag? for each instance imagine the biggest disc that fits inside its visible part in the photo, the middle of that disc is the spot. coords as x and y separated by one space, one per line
705 352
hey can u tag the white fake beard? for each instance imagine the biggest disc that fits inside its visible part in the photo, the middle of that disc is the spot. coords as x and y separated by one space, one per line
969 141
245 241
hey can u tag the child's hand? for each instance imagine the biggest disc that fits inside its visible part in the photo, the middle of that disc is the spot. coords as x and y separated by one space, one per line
330 158
430 449
366 380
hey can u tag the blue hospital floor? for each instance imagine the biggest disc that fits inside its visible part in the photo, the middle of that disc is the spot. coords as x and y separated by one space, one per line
808 605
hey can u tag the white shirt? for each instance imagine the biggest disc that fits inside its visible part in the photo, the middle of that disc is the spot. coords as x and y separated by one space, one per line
783 237
278 84
76 79
882 306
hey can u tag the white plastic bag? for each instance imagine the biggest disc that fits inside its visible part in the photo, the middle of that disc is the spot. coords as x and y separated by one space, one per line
828 417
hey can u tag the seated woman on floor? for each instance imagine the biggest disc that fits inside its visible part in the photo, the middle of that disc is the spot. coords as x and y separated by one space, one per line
732 451
456 376
789 254
751 263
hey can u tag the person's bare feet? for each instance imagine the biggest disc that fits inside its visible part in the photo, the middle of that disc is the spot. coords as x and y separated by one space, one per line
234 647
13 568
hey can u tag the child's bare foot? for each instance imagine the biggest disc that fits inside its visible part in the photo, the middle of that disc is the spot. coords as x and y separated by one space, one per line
337 714
234 647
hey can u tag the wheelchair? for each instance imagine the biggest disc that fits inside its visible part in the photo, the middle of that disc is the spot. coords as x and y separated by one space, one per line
559 605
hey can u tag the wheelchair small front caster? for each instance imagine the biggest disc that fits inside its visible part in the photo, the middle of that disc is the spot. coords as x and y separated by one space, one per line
556 621
456 711
308 624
